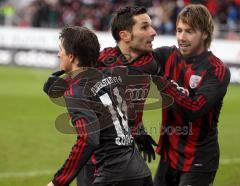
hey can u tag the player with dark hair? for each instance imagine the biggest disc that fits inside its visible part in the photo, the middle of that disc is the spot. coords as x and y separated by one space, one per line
132 29
98 110
197 81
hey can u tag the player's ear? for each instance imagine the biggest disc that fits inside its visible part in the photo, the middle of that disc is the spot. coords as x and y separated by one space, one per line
125 35
205 35
71 57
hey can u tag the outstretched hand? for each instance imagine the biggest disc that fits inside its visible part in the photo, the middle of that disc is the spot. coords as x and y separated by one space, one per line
145 145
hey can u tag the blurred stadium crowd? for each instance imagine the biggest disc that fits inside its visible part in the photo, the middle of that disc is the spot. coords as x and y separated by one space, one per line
96 14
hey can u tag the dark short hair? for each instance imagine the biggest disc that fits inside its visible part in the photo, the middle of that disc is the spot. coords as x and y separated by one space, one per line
82 43
123 20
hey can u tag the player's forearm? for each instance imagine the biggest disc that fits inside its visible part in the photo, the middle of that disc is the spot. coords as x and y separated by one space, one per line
193 107
82 150
78 157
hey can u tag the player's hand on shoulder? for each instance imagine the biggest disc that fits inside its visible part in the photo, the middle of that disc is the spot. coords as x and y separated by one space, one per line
55 86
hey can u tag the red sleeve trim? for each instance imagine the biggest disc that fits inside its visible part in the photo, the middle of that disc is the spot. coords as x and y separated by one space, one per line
75 156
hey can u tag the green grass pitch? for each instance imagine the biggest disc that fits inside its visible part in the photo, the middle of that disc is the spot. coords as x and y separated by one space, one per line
31 149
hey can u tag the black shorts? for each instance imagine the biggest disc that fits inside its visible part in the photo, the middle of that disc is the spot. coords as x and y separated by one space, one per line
137 182
167 176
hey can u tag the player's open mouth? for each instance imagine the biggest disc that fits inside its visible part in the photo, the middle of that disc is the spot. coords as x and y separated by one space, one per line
183 46
149 43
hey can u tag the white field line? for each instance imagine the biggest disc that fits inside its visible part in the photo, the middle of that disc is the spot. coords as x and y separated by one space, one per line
25 174
49 172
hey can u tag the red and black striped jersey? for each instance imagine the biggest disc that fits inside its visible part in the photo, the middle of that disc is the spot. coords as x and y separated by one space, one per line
113 57
188 136
97 106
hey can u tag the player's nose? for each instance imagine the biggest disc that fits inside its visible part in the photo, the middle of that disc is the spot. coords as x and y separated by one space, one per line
153 32
181 36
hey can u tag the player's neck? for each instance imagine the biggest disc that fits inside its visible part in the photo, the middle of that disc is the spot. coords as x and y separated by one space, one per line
128 52
76 69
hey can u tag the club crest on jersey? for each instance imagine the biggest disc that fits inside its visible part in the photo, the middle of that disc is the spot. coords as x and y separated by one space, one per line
194 81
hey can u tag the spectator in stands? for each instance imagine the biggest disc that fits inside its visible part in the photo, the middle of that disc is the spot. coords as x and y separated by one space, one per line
96 14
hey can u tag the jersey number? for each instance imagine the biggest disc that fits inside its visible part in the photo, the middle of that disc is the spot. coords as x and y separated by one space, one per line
123 134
